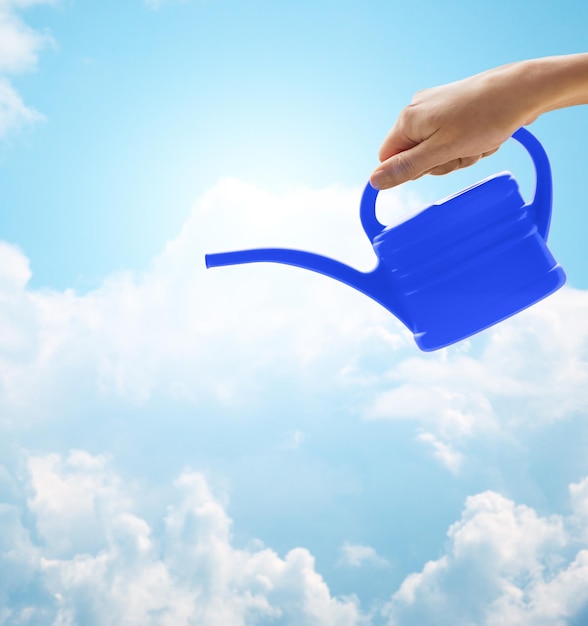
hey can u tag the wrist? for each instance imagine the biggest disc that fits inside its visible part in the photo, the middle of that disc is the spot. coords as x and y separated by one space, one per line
555 82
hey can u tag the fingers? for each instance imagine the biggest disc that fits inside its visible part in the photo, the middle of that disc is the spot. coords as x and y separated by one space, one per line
490 152
397 141
416 162
408 165
456 164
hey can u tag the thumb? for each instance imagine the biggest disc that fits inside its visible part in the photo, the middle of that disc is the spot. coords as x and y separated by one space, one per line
408 165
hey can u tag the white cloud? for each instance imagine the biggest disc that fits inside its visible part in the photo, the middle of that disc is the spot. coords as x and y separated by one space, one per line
579 497
13 112
19 44
72 497
14 269
505 565
19 51
96 561
526 373
359 555
180 330
443 452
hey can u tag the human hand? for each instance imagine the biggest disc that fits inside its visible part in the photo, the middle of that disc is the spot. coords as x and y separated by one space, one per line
453 126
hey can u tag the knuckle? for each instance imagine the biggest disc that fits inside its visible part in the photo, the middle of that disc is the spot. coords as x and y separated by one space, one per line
405 167
408 115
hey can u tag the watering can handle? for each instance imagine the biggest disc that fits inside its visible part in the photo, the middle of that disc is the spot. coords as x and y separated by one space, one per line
541 203
543 195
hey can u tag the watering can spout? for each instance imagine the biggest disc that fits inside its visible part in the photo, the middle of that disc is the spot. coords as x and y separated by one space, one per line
372 284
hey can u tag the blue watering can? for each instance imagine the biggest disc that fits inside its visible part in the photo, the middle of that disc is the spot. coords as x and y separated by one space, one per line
456 267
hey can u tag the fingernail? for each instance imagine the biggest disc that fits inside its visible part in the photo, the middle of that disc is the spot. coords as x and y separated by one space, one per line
378 179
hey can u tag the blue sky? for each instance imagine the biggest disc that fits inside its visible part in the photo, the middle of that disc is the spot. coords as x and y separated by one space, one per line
260 445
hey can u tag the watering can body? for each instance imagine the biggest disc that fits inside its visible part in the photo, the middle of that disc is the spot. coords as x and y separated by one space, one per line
456 267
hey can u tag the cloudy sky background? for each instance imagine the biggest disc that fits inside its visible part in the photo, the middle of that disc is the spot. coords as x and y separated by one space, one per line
261 445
